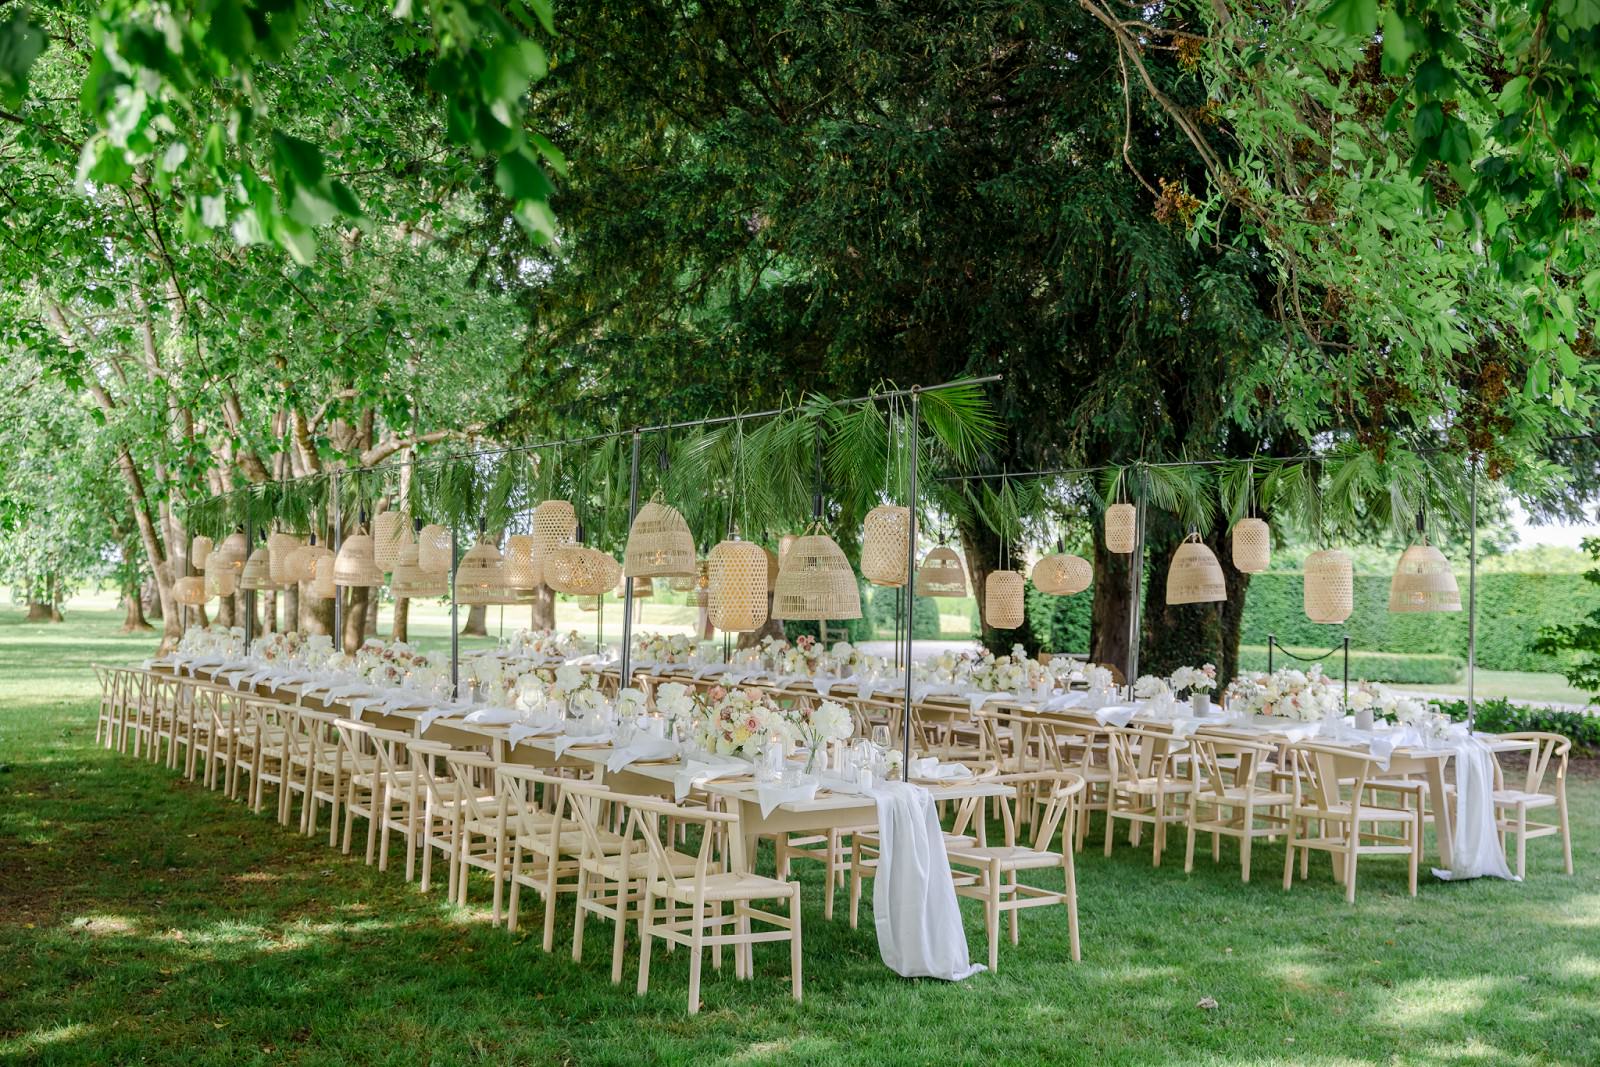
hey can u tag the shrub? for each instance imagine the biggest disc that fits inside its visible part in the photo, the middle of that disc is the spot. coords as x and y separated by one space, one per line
1419 669
1579 641
1503 717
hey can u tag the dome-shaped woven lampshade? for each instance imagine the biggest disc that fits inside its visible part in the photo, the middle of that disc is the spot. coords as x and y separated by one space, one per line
199 552
589 603
433 549
221 579
816 582
684 583
642 587
354 566
1003 600
1121 525
411 582
320 563
481 578
940 574
280 548
189 592
659 544
391 531
524 571
579 571
1195 576
231 553
257 572
554 524
1060 574
736 586
1423 581
300 563
884 538
1330 586
1252 546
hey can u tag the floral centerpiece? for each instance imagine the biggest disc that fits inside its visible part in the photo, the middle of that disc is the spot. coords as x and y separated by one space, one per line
664 648
675 701
545 644
817 726
277 648
212 641
388 665
1187 681
802 657
1287 693
737 722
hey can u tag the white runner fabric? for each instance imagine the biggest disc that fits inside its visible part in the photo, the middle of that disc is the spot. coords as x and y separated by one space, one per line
642 747
913 898
1478 853
699 771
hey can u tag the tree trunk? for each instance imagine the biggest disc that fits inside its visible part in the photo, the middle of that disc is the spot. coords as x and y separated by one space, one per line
291 608
477 622
355 617
980 550
55 600
1188 635
543 616
269 611
38 611
401 630
133 620
150 599
1110 615
226 612
319 616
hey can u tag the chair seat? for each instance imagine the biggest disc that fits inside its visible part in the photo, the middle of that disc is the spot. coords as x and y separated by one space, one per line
736 885
1368 813
1012 857
571 842
610 867
1512 797
1237 794
1153 785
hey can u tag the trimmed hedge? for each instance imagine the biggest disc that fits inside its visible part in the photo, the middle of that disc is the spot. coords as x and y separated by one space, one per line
1503 717
1061 623
1427 669
1511 609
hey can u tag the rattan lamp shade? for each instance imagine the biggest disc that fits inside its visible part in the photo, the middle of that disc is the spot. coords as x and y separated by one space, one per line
1330 586
354 566
684 583
221 579
280 548
257 572
391 531
298 565
481 578
884 539
1060 574
642 587
1252 546
411 582
737 586
199 552
433 549
1122 523
816 582
320 585
555 523
524 571
1003 600
940 574
189 592
1195 576
659 544
579 571
1423 582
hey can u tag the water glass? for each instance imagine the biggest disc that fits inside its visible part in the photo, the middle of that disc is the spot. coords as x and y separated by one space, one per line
880 736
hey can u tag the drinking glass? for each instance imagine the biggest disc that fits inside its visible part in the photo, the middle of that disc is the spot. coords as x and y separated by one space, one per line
880 736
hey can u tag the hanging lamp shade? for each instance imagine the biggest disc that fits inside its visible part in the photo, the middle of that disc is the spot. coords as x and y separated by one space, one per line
280 548
411 582
1003 600
433 549
221 579
1423 581
1121 525
231 554
189 592
1195 576
391 531
684 583
481 577
1061 574
659 544
816 581
589 603
354 566
1252 545
736 586
578 571
524 571
199 552
320 585
554 524
884 538
940 574
257 572
1330 586
298 565
642 587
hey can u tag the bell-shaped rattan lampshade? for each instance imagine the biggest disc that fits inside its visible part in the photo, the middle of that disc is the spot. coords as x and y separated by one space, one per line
524 569
589 603
1330 586
642 587
481 577
411 582
1423 582
320 585
736 586
257 572
1003 600
190 591
815 581
221 579
280 548
1252 546
298 566
1122 522
684 583
199 552
231 553
578 571
659 544
554 524
391 531
1195 576
940 573
433 549
1061 574
354 566
884 539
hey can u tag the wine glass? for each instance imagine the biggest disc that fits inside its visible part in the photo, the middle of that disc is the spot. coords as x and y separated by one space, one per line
880 736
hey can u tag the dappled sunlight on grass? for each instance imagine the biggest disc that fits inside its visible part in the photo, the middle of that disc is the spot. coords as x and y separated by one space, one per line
39 1041
1427 1002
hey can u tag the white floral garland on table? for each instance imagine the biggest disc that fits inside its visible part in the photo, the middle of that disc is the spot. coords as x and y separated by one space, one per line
214 640
664 648
389 665
545 643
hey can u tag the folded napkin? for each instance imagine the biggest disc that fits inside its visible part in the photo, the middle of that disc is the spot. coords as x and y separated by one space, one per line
707 669
697 771
824 684
1115 715
437 712
519 732
566 741
772 794
930 769
493 717
784 681
339 692
642 747
1063 701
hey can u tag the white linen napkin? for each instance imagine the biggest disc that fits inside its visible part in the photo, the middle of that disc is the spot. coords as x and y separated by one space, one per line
1118 715
519 732
1063 701
771 794
929 768
913 897
566 741
435 713
698 771
642 747
493 717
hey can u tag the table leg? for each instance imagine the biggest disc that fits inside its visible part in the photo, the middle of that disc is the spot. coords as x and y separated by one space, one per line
1443 819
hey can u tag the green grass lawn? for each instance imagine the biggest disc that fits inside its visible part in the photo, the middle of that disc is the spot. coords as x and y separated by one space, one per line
144 919
1518 685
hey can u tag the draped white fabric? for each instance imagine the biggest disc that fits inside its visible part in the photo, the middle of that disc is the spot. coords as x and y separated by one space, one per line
1478 852
913 898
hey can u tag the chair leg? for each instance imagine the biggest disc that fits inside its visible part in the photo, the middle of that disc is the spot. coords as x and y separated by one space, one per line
499 874
646 917
1522 840
1245 840
697 951
1188 848
991 920
620 933
1070 893
1414 860
1288 854
577 921
1353 843
1566 832
794 944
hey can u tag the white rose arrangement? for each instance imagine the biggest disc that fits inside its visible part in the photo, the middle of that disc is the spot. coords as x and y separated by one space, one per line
1187 681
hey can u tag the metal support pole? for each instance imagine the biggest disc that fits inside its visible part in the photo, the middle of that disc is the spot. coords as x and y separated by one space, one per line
1271 640
249 594
338 540
455 626
911 589
599 624
627 584
1472 600
1347 672
1136 583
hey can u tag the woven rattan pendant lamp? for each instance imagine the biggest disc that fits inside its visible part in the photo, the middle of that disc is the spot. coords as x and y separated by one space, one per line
481 577
231 552
736 585
298 565
684 583
659 544
884 538
1252 545
1062 574
1423 580
1195 576
1003 599
433 549
524 572
1329 586
575 570
199 552
354 566
816 581
940 573
391 532
1122 522
221 579
281 547
411 582
257 572
190 592
554 524
320 585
